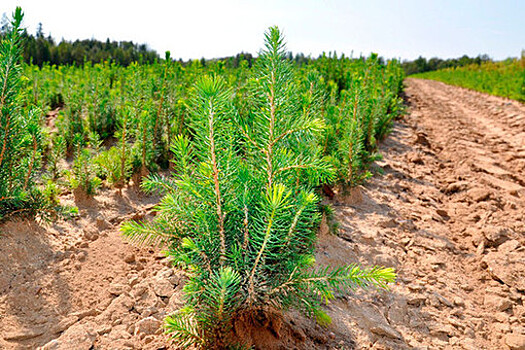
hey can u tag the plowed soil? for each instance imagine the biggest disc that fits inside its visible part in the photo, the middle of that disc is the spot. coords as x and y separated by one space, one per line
446 208
449 215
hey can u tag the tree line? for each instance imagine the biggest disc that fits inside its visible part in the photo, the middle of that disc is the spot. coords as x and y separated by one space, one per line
39 49
422 65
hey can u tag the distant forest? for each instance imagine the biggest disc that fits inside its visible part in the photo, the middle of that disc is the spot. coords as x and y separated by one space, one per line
422 65
40 49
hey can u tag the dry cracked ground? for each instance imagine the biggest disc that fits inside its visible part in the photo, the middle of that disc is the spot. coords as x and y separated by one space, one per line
446 209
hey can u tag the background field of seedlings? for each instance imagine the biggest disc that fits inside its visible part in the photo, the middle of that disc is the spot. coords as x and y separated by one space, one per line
504 78
102 124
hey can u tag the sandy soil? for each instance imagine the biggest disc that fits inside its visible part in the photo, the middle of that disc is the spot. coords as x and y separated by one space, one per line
449 215
448 212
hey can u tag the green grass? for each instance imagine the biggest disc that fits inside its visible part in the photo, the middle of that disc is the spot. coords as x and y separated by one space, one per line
503 78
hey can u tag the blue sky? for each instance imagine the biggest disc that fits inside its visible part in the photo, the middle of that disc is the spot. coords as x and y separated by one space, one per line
195 29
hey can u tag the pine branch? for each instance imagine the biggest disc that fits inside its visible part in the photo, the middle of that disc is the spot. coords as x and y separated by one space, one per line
326 281
183 328
209 91
146 233
274 199
158 183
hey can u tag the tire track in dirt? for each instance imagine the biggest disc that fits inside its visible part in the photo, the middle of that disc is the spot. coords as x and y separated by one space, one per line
449 215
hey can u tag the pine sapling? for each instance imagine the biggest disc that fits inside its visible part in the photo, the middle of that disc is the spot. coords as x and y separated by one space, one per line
237 220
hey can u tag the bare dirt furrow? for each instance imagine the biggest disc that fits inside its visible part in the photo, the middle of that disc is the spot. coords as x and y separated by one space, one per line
449 214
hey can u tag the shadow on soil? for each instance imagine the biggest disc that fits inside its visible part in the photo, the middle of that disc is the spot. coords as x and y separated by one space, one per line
33 295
